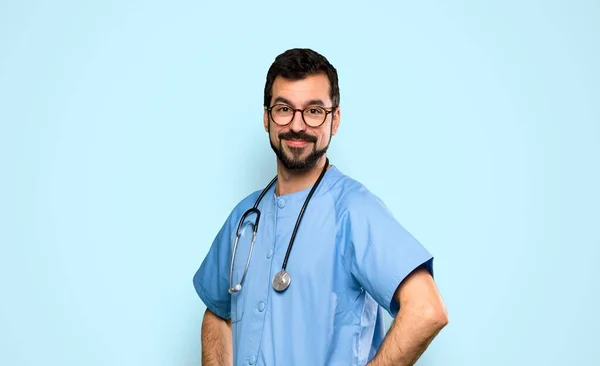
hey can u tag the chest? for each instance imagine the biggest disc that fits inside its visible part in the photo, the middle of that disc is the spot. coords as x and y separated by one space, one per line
313 258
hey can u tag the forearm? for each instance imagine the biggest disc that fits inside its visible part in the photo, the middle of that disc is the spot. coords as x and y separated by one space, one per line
409 336
217 349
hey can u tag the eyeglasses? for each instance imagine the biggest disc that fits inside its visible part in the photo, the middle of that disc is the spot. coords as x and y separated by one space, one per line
283 114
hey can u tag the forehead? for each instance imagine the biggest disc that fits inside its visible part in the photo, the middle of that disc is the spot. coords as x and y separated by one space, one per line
300 91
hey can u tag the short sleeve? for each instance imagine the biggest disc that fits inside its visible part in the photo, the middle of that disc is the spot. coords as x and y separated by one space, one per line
211 280
380 252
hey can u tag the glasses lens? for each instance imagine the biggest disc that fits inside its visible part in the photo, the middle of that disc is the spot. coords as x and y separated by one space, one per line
314 116
282 114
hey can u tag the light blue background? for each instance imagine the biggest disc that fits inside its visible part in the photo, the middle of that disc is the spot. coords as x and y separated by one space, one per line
129 130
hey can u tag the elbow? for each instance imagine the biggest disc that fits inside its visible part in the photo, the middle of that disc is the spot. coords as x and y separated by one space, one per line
442 319
436 316
439 318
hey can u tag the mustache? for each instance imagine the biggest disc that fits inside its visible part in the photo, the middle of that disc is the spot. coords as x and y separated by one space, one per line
291 135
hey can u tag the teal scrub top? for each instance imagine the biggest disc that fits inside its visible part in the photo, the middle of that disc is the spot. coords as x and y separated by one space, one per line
348 258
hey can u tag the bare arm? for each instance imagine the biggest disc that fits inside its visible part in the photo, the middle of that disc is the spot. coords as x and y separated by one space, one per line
422 315
217 348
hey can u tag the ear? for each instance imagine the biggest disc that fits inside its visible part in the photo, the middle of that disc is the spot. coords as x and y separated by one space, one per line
335 122
266 120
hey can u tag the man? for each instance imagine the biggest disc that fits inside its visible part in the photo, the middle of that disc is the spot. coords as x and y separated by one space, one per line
328 257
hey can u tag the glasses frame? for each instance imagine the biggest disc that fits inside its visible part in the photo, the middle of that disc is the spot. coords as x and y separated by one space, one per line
301 110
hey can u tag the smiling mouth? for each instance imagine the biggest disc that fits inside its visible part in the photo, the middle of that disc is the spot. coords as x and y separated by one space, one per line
297 143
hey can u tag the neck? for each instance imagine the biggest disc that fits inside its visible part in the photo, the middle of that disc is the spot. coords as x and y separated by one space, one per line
290 181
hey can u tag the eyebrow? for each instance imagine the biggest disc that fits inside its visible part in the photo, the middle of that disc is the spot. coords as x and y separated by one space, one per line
318 102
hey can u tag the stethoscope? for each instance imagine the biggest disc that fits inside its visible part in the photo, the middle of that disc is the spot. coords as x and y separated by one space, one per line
282 279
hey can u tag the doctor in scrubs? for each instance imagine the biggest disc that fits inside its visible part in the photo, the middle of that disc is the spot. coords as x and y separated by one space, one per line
303 269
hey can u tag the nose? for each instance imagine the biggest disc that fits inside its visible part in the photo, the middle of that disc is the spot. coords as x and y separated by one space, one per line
297 123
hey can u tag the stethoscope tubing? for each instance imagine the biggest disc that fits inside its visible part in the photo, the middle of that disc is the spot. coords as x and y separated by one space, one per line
255 210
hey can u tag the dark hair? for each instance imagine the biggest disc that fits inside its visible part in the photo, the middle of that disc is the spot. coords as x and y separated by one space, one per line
298 63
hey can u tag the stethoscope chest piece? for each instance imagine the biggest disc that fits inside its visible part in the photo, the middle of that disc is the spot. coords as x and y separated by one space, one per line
281 281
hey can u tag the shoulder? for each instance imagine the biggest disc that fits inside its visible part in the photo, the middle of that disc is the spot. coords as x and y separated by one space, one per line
352 198
230 223
244 204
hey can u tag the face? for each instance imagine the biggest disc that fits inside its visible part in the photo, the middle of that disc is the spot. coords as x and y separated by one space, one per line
298 145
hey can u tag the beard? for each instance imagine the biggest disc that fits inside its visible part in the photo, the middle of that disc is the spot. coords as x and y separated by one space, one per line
293 159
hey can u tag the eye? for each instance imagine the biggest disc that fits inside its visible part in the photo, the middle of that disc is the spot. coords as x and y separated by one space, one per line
315 111
282 108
